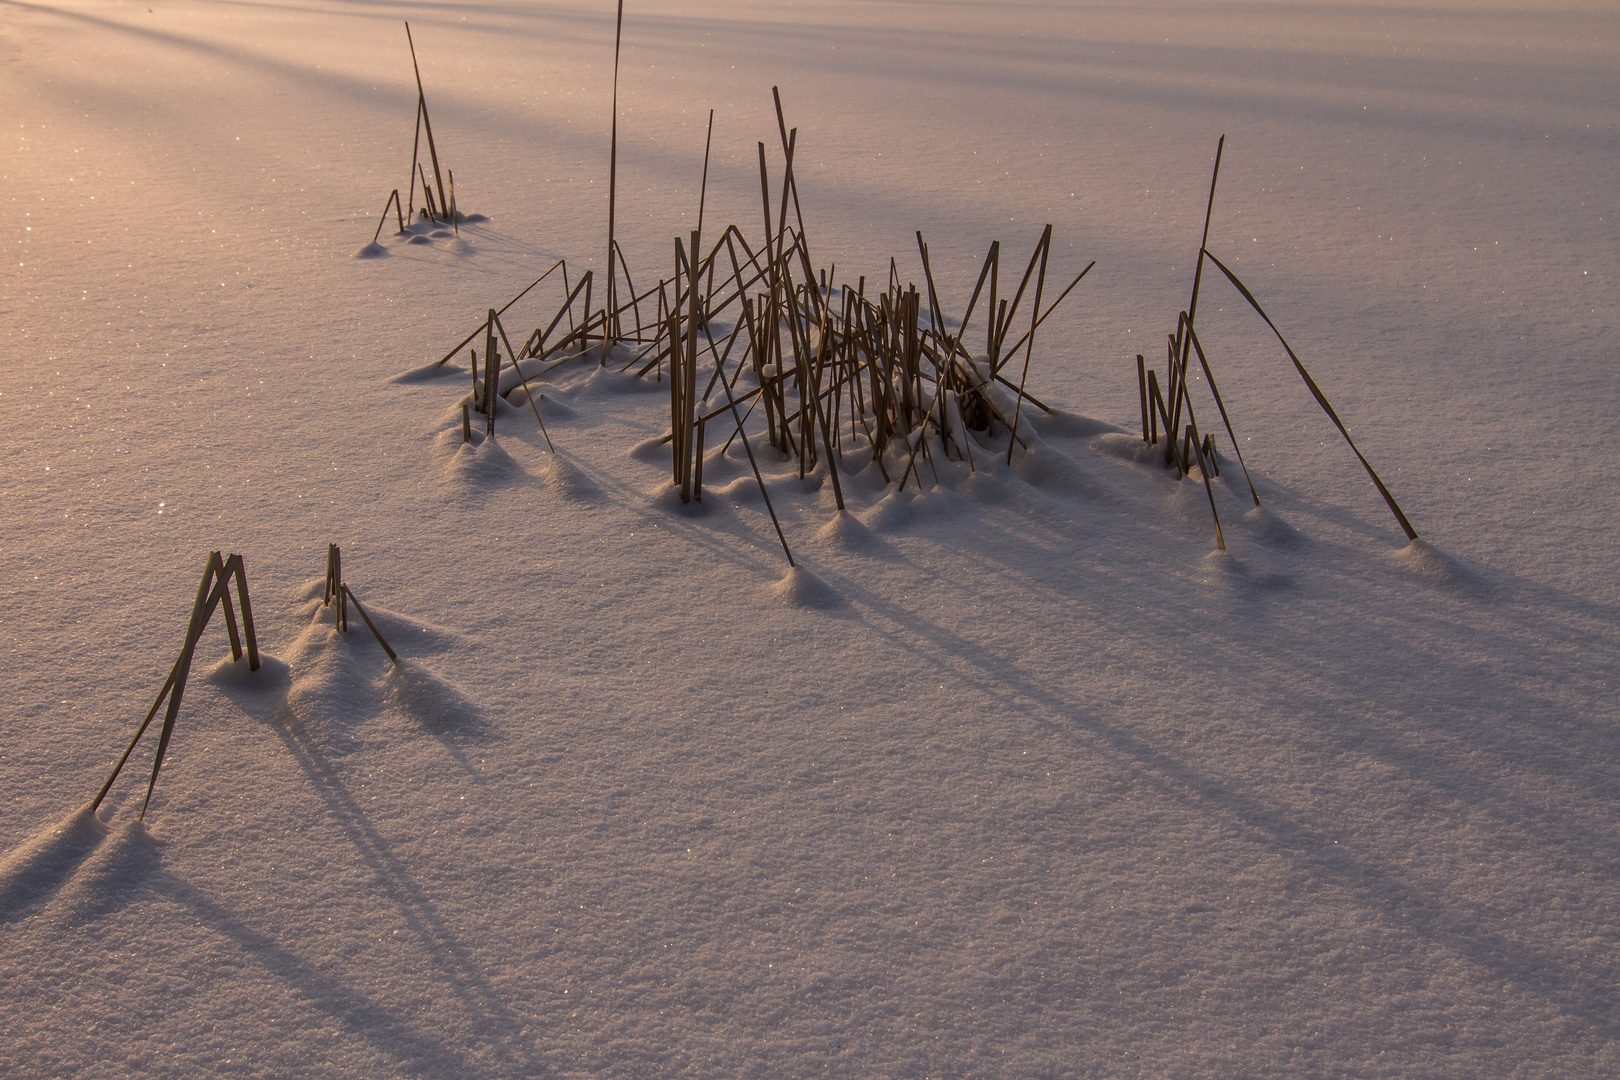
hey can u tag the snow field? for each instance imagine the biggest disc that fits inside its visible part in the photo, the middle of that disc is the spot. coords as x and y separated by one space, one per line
1013 777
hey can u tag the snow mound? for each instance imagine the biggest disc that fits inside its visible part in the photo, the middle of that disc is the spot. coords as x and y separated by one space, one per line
372 250
482 464
1220 572
568 480
1423 560
328 687
1061 422
846 531
35 869
652 449
891 512
939 503
1266 525
739 490
311 589
1052 470
235 674
547 401
800 588
988 481
428 698
667 497
1128 448
426 372
610 382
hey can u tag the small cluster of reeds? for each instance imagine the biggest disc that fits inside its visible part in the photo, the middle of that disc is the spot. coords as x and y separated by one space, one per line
441 210
1163 403
213 593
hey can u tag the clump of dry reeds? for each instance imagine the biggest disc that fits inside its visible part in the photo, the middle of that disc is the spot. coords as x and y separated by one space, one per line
1163 403
837 369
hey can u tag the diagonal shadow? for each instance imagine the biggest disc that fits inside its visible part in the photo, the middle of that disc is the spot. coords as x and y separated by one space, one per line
1577 985
504 1031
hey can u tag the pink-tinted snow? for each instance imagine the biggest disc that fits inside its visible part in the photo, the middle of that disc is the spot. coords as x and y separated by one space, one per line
1012 777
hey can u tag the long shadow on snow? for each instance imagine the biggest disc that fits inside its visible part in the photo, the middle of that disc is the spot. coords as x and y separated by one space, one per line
1560 980
394 1036
36 869
1519 743
372 1022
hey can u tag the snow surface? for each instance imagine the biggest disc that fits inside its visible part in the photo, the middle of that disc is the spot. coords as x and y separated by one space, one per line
1011 777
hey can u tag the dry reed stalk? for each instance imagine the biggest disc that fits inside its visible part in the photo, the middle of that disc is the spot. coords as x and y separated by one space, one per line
1047 314
1321 398
689 372
230 625
1221 405
517 365
1203 469
787 148
1156 410
211 590
502 310
1029 347
427 124
608 330
382 219
334 573
1203 244
1141 388
997 358
349 594
758 479
416 146
703 187
492 367
427 195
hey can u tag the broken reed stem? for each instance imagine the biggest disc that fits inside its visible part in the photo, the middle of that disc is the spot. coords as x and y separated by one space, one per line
758 479
1204 470
1203 244
1141 388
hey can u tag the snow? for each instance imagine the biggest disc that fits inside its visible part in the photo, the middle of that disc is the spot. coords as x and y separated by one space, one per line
1010 776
